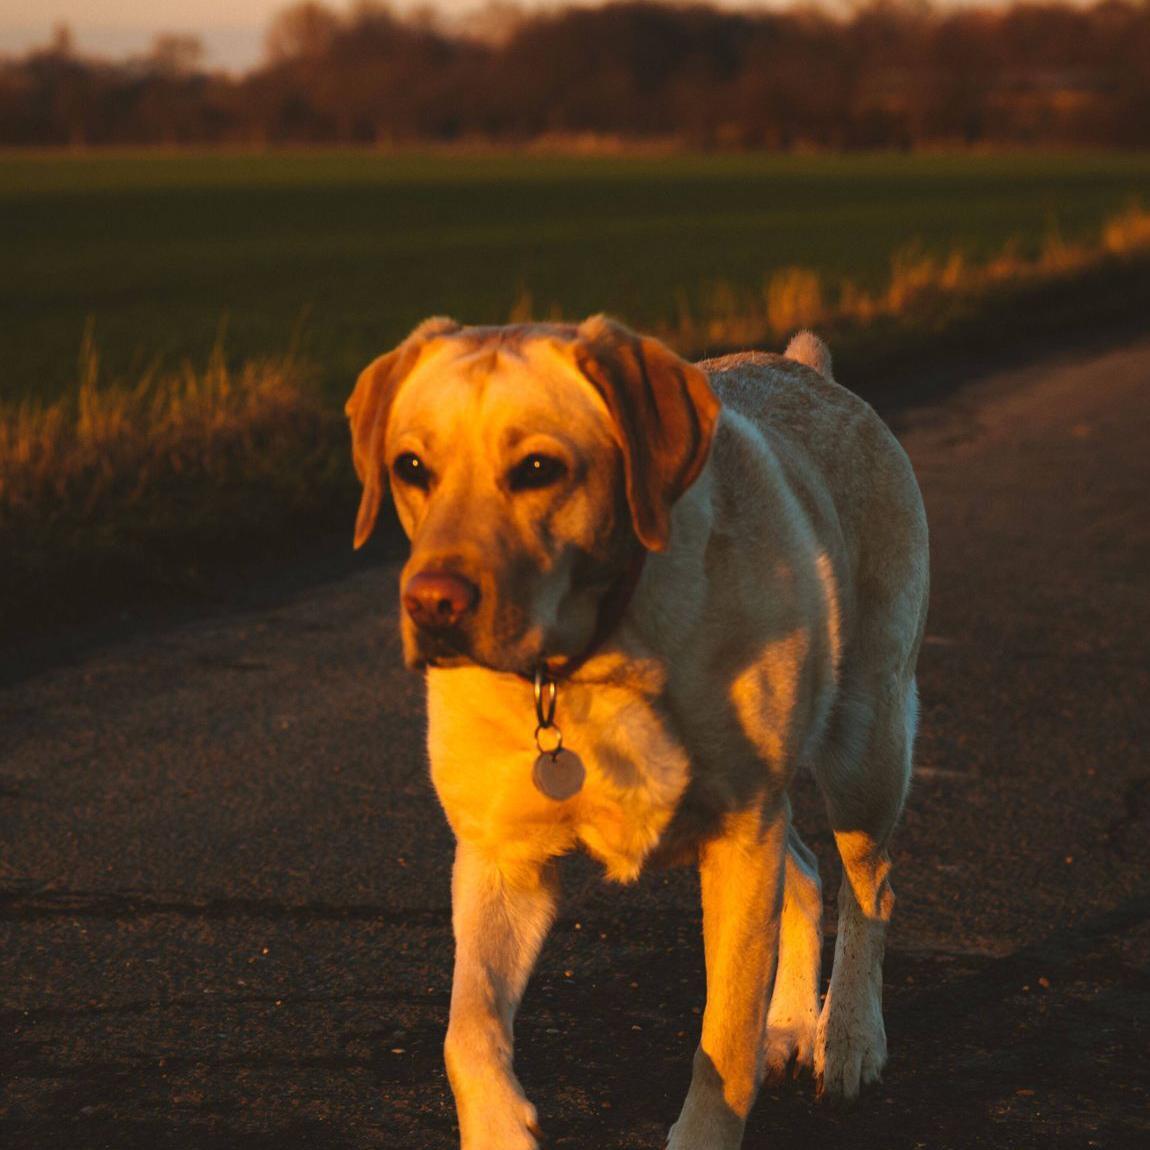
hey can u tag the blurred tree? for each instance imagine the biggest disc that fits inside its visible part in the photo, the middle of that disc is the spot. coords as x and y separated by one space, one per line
62 43
886 73
174 55
303 31
494 23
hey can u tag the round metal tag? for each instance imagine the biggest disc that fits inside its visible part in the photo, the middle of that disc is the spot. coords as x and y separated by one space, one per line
559 774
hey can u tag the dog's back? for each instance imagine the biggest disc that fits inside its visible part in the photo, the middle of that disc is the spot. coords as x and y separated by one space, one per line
843 464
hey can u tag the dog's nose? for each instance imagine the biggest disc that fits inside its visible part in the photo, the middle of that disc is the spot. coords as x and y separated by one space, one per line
439 599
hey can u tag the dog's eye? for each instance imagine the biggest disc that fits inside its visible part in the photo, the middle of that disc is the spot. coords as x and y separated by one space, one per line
536 471
410 469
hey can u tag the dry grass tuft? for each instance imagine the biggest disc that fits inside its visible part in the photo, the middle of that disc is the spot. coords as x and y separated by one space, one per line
140 474
1127 232
920 284
116 469
794 299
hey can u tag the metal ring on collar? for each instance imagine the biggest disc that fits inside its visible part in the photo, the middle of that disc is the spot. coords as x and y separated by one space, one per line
545 711
552 751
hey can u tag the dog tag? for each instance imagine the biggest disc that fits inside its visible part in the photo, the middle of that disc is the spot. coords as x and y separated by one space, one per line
558 774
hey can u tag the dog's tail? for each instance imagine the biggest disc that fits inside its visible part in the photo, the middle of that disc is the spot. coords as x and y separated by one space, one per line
806 348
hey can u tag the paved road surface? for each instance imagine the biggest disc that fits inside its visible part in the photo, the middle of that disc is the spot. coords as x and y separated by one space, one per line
224 880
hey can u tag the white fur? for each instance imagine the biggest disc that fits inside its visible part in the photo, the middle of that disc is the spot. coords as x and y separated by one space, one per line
806 348
794 1014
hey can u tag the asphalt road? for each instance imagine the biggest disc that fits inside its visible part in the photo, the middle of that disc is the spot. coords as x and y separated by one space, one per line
224 876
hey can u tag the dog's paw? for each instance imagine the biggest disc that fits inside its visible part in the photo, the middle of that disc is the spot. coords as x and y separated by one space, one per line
696 1134
706 1123
790 1048
513 1131
512 1125
850 1047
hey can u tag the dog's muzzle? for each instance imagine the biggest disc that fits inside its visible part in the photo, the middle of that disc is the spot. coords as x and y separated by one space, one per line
439 601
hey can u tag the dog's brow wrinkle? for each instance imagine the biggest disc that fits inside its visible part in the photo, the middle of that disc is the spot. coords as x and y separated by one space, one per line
482 359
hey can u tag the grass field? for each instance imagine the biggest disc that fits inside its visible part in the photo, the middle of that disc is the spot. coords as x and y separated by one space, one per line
178 332
157 252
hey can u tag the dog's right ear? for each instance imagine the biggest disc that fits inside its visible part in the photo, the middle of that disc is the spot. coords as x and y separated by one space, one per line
368 410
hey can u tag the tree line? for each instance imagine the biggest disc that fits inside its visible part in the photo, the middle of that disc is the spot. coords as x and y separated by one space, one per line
891 73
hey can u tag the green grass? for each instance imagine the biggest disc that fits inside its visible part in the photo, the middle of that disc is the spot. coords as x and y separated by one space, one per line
135 454
158 250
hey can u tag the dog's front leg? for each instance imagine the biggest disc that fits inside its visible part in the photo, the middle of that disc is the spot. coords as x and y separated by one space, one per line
500 916
741 876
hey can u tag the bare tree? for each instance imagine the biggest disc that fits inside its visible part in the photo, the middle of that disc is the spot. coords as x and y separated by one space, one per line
883 73
304 31
175 54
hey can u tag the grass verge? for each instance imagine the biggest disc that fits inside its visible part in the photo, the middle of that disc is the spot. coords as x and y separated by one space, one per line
122 485
921 292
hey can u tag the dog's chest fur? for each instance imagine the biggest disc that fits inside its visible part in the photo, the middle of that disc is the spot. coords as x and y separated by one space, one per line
719 686
666 757
483 750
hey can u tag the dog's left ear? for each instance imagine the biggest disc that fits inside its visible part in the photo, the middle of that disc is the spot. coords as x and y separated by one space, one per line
367 412
665 413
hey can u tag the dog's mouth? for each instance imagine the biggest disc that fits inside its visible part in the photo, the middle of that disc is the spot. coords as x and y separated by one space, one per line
455 648
438 649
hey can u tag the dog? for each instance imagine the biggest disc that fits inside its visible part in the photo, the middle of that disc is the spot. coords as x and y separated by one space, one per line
646 592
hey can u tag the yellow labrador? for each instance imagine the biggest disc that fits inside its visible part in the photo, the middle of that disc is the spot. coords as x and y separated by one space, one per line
645 593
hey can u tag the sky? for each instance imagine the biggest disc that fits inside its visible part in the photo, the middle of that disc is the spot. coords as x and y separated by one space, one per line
232 31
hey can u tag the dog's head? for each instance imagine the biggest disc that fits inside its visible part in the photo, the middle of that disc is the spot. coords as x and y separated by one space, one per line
528 464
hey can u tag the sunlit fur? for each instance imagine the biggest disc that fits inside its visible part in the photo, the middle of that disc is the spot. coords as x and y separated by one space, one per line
778 629
471 410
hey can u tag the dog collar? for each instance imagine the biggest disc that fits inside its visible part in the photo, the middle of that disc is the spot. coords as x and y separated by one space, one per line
612 607
559 772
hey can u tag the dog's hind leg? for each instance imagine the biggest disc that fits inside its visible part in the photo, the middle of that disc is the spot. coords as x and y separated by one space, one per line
864 774
794 1013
